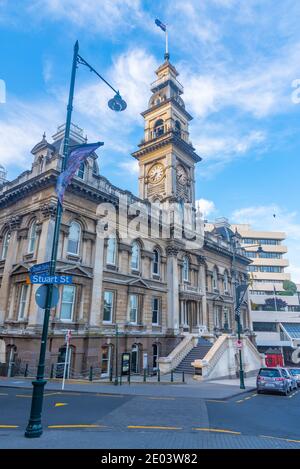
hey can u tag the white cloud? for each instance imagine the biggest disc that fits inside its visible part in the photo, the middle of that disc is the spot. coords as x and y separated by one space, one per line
206 207
103 16
262 218
130 167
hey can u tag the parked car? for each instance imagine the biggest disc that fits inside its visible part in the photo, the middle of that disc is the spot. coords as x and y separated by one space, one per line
295 372
292 381
273 379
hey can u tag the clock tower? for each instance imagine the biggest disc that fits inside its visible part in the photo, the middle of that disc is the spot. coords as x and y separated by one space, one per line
166 156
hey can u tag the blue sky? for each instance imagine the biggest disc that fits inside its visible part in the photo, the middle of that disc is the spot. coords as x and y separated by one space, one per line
237 61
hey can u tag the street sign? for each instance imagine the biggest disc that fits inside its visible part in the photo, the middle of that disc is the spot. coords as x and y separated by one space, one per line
40 268
41 295
239 344
46 279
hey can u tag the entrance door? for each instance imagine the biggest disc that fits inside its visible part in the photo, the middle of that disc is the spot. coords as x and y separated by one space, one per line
106 361
135 359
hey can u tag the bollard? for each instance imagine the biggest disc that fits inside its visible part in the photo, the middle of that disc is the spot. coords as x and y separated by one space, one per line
120 380
91 374
172 376
158 375
128 377
52 371
145 375
111 374
183 376
26 371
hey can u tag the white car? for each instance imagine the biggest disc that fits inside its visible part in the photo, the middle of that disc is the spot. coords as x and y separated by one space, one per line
295 372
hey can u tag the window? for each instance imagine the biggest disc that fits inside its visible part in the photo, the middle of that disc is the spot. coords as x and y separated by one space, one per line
261 241
111 251
264 326
215 279
108 306
32 238
81 170
185 269
23 301
155 351
67 303
5 243
264 268
158 128
155 310
225 281
74 238
135 256
156 262
133 308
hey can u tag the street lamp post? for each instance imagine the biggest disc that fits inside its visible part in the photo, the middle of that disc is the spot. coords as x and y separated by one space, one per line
117 353
34 428
237 304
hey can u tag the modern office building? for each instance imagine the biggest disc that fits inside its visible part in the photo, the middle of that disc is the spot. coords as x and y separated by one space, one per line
267 252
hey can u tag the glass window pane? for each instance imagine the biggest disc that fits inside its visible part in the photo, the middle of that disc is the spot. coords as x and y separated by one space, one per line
32 238
133 308
111 251
135 256
74 238
108 306
67 302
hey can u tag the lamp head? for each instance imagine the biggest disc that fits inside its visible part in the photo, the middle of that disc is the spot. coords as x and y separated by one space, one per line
117 103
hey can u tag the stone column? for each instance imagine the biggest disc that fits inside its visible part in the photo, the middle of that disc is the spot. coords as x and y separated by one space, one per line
173 290
202 286
10 260
96 300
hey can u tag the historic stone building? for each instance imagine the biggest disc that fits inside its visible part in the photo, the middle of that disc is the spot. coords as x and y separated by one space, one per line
157 289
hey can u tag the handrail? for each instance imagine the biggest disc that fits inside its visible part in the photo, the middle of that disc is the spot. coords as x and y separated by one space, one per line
170 362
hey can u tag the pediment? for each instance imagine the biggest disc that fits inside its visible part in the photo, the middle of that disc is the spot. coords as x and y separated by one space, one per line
139 282
74 270
20 269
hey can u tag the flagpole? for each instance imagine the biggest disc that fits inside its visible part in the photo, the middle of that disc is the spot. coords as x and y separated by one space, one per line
167 44
275 299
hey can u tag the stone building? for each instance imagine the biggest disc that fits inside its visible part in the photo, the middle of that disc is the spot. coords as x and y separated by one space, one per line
158 290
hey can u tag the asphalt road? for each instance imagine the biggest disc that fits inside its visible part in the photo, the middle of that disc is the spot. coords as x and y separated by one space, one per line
90 420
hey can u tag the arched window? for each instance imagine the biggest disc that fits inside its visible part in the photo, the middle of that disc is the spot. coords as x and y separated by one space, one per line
135 256
225 281
186 269
5 244
215 279
177 127
32 237
81 170
156 262
111 251
74 238
158 128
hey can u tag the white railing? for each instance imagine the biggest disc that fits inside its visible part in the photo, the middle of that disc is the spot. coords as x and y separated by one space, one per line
166 364
213 355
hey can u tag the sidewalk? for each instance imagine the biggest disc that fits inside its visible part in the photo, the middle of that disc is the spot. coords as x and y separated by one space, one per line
217 389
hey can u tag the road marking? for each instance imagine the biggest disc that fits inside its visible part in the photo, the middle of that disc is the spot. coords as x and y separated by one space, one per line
153 427
23 395
162 398
218 430
3 393
109 395
9 426
242 400
246 398
51 394
294 394
60 404
80 425
279 438
216 400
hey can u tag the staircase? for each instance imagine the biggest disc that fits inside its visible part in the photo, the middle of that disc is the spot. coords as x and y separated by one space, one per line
198 352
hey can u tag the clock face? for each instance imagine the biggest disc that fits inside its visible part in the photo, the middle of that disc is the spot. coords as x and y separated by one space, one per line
181 175
156 173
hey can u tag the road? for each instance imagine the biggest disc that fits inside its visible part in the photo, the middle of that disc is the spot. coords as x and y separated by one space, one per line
94 420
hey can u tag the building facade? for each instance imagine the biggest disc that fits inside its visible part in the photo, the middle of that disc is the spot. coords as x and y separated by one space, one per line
157 289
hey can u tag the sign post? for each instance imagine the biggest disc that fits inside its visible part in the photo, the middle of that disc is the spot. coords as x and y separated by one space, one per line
67 358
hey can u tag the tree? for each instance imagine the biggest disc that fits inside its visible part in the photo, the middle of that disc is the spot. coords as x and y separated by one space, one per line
289 287
270 304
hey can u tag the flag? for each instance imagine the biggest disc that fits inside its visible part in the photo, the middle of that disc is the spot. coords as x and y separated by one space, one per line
161 25
76 157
